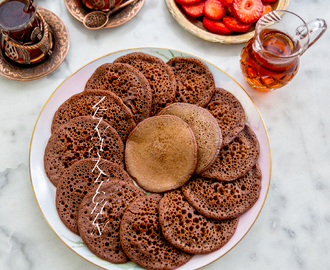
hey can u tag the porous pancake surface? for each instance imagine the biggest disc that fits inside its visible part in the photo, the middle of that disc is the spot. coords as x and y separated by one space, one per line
206 130
195 82
99 218
99 104
126 82
229 112
160 77
161 153
77 180
142 240
236 158
224 200
190 231
81 137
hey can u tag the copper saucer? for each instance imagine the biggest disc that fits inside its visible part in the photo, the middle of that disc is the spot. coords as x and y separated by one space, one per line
60 50
124 15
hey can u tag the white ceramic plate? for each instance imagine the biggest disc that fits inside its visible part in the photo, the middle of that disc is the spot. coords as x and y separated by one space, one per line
45 191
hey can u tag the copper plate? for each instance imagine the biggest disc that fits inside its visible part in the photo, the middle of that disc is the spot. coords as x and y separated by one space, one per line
60 50
124 15
195 26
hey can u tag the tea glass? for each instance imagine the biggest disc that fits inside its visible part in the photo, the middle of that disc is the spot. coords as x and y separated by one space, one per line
102 5
271 58
26 38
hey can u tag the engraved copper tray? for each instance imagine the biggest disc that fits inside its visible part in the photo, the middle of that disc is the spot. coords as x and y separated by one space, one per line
60 50
124 15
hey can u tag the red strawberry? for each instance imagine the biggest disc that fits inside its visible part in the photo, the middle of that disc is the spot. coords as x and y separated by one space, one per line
227 3
217 27
194 10
188 2
268 1
247 11
214 9
267 8
235 25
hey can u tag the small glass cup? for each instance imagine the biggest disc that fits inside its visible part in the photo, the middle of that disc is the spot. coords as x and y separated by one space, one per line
102 5
271 58
26 38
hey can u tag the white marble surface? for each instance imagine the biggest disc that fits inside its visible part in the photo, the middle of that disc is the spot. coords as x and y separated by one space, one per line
292 231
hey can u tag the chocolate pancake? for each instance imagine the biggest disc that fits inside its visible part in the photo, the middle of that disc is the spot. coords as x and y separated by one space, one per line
126 82
224 200
206 130
190 231
99 104
99 218
235 159
77 180
160 76
161 153
229 113
142 240
82 137
195 82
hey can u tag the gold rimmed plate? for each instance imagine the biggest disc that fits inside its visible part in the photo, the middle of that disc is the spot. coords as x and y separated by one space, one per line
60 50
122 16
45 191
195 25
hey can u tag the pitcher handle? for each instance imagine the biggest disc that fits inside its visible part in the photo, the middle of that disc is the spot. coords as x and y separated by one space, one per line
316 29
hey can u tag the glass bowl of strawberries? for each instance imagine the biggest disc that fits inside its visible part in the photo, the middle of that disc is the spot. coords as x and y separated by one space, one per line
223 21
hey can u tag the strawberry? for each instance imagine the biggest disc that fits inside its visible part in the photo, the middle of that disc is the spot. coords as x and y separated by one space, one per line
268 1
188 2
267 8
247 11
235 25
194 10
216 26
227 3
214 9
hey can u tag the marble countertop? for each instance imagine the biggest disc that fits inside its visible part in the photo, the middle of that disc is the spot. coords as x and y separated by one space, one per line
292 231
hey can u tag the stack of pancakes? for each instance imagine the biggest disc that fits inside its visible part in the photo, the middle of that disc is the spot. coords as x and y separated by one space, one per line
142 126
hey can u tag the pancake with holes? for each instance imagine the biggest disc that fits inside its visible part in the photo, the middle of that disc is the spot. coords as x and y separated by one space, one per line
236 158
160 76
142 240
99 218
229 112
224 200
161 153
195 82
82 137
99 104
206 130
126 82
77 180
190 231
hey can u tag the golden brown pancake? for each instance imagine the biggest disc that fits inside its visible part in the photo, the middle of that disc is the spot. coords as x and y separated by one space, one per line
161 153
206 129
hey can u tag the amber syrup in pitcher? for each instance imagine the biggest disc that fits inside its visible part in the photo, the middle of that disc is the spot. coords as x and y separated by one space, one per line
13 14
269 69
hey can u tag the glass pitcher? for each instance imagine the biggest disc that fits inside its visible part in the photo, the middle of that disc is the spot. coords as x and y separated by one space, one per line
271 58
